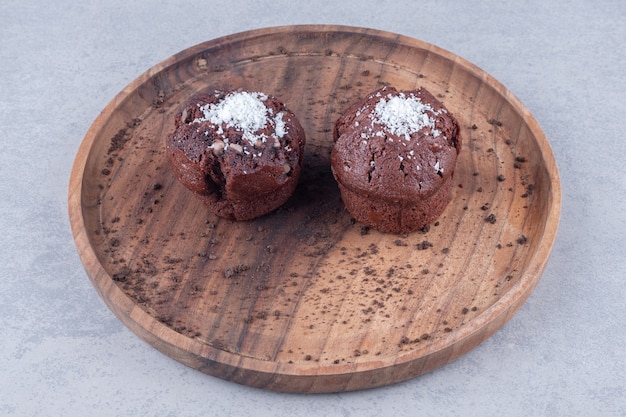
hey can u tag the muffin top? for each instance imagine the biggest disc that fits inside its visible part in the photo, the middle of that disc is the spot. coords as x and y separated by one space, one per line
395 145
231 135
251 124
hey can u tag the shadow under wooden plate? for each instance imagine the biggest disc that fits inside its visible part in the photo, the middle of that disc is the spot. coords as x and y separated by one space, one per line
305 299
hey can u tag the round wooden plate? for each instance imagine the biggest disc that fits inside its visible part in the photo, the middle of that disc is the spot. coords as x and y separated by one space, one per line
306 299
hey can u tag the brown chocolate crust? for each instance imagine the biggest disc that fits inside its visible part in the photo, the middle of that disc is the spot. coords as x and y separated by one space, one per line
396 216
234 176
394 182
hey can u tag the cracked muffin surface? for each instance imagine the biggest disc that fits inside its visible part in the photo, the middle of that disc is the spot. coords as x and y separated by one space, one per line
239 152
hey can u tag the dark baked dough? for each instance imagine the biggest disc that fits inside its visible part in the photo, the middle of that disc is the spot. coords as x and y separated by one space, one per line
240 166
394 158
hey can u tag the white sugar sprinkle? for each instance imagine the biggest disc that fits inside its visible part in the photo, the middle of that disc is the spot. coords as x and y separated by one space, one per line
279 125
245 112
404 115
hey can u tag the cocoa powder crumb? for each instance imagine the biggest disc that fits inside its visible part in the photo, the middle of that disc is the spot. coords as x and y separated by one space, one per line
424 245
171 261
122 275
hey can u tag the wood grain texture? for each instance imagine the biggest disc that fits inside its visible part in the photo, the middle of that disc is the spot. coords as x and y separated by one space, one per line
305 299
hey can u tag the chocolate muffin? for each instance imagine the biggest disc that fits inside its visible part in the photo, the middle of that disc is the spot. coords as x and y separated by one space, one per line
394 158
239 152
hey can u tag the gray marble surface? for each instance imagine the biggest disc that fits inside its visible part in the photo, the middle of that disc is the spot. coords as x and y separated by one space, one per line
62 352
